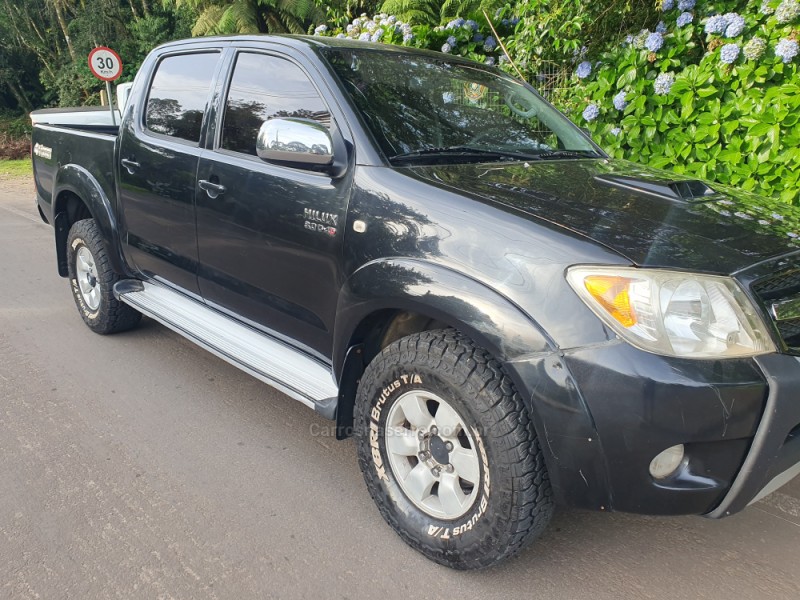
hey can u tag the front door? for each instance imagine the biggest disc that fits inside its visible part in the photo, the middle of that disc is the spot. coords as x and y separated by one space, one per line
270 236
158 169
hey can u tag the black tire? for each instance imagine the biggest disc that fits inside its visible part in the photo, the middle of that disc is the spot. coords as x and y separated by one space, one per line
514 501
110 315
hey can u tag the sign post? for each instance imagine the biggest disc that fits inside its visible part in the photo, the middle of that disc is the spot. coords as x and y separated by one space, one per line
106 65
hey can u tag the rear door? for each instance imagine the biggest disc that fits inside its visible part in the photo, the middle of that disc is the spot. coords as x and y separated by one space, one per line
159 153
270 243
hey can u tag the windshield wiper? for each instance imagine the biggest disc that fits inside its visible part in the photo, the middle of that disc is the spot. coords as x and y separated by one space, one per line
567 154
459 151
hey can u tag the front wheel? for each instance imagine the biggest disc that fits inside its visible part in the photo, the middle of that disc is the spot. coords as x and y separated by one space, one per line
448 451
92 280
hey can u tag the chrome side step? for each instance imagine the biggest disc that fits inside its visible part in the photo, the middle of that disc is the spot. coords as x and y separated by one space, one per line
273 362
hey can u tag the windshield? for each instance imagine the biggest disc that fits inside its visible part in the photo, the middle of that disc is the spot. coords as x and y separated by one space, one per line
424 109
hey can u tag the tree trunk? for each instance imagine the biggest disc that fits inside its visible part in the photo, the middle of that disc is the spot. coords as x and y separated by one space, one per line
133 10
145 8
19 96
63 24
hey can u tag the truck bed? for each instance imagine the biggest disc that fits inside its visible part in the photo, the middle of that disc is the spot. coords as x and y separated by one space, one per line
87 147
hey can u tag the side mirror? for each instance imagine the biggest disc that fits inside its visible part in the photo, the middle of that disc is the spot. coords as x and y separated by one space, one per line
301 141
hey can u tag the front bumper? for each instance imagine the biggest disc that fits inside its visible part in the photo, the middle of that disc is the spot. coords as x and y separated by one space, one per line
774 456
603 413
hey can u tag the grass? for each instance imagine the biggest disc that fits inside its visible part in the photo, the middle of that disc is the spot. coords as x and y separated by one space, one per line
15 168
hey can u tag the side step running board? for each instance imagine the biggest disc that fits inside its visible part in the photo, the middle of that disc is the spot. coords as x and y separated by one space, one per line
273 362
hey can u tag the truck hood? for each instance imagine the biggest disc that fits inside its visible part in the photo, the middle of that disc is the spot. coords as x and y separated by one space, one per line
653 218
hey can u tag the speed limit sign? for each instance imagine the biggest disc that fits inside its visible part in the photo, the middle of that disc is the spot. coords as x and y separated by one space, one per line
105 63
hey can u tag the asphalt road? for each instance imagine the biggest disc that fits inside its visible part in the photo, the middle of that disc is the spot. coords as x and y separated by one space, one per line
140 466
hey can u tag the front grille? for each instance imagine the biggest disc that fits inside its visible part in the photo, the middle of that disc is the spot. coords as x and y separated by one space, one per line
779 287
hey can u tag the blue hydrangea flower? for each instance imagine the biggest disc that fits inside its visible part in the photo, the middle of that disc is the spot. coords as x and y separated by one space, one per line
654 42
514 21
591 112
447 48
755 48
448 97
452 41
377 35
391 20
668 5
584 70
661 27
663 83
471 24
408 37
716 24
341 35
734 25
477 38
490 44
686 4
684 19
729 53
786 49
616 131
489 60
364 36
787 11
619 101
455 23
320 29
766 9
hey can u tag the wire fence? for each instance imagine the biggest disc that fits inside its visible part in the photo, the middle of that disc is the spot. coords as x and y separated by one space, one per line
552 81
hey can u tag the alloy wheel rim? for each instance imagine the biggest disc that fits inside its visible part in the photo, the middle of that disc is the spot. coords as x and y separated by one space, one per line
86 275
432 455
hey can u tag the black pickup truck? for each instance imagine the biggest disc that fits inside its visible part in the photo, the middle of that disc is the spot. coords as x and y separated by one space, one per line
424 250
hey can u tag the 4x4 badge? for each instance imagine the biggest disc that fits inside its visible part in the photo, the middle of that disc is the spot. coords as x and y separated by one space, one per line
320 221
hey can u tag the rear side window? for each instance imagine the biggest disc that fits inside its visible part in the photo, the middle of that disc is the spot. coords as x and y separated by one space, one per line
263 87
178 94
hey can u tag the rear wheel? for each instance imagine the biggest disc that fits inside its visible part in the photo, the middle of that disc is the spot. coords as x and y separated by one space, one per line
92 280
448 451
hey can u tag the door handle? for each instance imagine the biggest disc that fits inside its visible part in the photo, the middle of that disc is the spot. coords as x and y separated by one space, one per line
212 189
130 165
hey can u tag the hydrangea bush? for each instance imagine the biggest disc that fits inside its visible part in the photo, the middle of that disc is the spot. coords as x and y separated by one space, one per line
715 94
713 91
472 38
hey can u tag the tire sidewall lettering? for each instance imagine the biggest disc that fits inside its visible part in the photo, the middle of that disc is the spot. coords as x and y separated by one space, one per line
73 281
402 383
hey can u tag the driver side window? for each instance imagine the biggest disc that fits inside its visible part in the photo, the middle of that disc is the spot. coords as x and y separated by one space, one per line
263 87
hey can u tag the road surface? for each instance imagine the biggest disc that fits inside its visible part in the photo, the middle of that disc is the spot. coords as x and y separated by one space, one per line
140 466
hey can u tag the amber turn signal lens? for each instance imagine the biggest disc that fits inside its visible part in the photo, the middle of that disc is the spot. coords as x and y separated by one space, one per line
611 293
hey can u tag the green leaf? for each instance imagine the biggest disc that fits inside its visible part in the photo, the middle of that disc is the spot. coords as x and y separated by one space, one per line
758 129
626 78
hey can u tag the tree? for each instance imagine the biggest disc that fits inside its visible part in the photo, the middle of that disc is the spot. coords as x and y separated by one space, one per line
253 16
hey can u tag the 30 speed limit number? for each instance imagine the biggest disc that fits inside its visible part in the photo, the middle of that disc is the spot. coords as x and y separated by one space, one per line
105 63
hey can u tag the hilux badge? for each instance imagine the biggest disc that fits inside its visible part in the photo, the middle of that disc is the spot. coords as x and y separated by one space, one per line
322 222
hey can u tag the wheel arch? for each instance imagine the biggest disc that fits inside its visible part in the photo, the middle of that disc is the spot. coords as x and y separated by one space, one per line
78 195
389 299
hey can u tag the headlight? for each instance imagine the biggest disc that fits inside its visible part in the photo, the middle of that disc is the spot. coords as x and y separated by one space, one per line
671 313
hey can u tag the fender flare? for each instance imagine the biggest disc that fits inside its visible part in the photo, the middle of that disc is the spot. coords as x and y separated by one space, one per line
80 182
488 317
